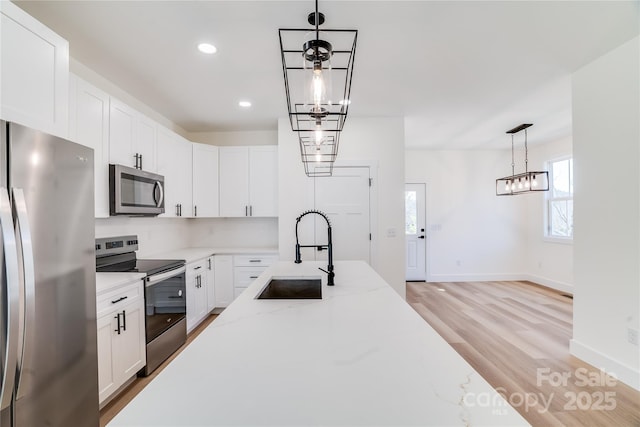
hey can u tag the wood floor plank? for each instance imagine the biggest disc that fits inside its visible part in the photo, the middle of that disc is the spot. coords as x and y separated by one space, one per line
516 335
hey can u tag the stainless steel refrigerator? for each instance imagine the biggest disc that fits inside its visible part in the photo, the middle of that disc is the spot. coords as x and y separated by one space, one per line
48 349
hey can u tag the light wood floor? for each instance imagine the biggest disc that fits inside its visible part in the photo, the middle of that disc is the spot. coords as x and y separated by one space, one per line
511 332
112 408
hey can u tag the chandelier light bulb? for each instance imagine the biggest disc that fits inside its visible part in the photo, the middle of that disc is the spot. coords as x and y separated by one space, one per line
318 155
506 186
513 186
534 182
526 182
520 183
318 135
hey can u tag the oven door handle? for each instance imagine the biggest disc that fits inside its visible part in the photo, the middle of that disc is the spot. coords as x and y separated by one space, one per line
153 279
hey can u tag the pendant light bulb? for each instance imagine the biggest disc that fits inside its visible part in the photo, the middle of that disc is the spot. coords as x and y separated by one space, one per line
318 87
318 135
506 186
526 182
513 186
520 183
318 155
534 182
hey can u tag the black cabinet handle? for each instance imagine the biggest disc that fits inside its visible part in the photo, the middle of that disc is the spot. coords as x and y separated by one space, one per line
118 318
195 210
420 237
119 299
124 321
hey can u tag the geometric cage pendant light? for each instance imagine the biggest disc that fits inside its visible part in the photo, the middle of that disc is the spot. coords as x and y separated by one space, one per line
526 182
317 66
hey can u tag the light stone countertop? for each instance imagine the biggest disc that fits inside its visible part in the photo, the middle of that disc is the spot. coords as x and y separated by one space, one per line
106 281
195 254
359 356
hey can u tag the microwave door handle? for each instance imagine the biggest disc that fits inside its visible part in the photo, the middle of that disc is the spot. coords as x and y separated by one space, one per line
10 346
22 221
160 198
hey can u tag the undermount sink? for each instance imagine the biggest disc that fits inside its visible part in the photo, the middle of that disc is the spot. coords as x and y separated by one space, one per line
292 288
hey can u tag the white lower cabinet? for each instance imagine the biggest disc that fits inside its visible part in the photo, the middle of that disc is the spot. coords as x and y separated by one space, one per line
211 285
196 293
223 273
247 268
121 340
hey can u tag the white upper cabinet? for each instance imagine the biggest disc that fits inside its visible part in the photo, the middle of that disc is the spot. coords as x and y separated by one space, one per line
248 181
174 163
132 138
34 65
205 180
89 125
263 180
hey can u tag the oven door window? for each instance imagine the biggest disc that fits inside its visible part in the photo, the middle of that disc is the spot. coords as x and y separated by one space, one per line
165 305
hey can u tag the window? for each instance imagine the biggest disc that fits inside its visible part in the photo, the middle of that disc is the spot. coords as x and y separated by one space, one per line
410 212
560 199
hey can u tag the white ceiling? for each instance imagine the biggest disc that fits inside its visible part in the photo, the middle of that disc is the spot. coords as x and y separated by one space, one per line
461 73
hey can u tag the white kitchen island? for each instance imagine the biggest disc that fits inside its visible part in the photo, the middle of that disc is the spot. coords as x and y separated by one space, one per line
359 356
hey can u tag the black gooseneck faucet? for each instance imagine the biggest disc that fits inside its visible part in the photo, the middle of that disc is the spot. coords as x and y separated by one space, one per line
328 246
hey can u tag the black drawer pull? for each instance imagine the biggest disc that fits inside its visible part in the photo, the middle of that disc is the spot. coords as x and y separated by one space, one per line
119 299
253 277
255 260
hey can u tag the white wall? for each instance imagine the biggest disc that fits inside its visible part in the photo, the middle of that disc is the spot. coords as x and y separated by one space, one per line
249 137
472 234
376 141
548 262
606 146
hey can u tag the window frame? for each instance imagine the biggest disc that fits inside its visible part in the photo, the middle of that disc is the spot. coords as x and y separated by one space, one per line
548 199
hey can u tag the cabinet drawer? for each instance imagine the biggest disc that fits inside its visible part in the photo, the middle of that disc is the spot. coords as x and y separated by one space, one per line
119 297
243 276
254 260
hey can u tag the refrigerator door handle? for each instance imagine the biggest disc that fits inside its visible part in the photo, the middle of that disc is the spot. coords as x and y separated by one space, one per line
10 349
22 225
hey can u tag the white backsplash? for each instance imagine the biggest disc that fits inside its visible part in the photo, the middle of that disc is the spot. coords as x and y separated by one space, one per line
234 232
157 235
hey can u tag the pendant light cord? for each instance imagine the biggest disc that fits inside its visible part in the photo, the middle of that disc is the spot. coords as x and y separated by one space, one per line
526 153
513 162
317 16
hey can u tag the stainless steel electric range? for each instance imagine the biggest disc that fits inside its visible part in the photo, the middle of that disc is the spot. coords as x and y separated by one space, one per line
164 295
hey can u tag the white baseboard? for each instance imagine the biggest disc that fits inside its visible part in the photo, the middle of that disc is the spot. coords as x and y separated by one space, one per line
622 372
549 283
497 277
468 277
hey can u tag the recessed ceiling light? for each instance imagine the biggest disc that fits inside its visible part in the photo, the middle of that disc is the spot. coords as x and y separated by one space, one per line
244 104
207 48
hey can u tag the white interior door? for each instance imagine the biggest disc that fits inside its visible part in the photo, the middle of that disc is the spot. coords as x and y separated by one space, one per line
416 238
344 198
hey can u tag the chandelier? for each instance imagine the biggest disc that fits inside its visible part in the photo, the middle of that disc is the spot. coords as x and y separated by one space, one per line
523 182
317 66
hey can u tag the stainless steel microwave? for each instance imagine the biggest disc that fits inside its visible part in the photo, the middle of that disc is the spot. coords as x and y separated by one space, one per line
135 192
